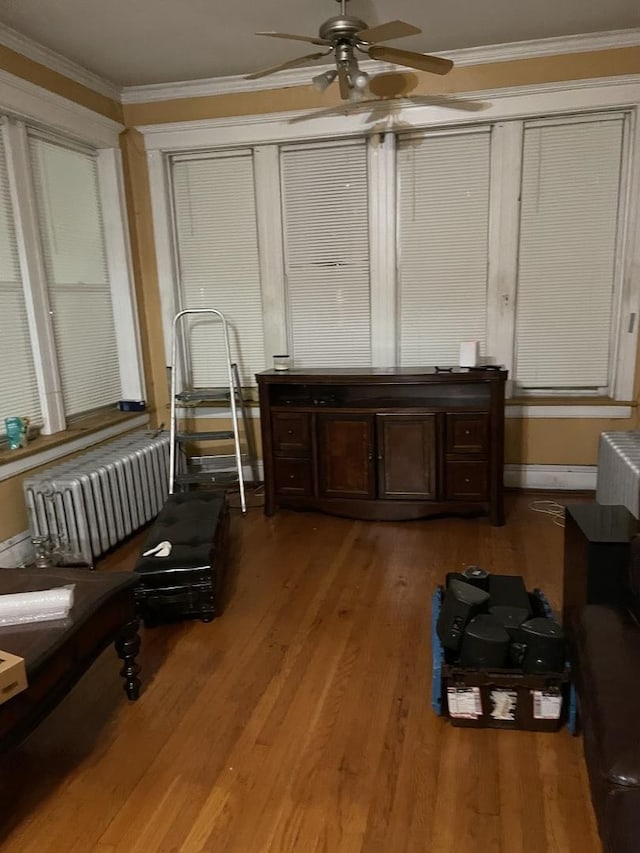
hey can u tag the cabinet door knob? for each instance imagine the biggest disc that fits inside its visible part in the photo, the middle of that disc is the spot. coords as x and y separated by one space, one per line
466 479
292 476
289 432
467 432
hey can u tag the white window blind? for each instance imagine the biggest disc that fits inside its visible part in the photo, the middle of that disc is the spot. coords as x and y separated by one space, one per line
326 249
18 388
66 186
215 216
568 233
443 225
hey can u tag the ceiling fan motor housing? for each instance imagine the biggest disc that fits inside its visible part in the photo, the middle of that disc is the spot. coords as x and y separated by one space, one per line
341 28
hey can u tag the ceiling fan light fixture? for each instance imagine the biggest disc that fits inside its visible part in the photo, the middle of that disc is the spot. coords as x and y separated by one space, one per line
360 80
322 81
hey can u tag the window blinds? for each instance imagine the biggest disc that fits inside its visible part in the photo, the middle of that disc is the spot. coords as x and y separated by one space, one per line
568 232
326 250
70 219
217 238
18 388
443 224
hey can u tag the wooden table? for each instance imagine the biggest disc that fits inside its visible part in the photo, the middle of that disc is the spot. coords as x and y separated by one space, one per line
57 653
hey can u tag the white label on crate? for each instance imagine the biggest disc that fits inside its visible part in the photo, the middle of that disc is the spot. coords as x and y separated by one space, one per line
546 706
504 704
464 702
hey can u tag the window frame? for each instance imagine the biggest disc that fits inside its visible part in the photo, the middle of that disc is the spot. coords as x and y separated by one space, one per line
25 106
506 111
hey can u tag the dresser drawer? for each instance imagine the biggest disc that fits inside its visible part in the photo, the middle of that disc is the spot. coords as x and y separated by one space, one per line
291 432
292 476
466 481
467 433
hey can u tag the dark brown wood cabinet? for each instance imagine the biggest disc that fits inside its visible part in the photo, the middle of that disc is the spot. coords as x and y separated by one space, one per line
394 443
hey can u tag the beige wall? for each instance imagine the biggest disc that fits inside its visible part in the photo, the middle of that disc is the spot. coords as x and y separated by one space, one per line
471 78
136 180
539 441
19 65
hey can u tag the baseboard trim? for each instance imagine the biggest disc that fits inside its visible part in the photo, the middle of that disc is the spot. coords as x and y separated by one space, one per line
561 477
17 550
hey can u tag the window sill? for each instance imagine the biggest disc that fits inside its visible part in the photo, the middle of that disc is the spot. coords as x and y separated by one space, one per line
84 434
568 407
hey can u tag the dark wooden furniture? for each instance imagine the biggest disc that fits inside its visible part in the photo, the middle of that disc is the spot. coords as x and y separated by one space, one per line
187 583
57 653
596 558
396 443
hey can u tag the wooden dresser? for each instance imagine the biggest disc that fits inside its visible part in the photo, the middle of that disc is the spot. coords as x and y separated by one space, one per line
386 443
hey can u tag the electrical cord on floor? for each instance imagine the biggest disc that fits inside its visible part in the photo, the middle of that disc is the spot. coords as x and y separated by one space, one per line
552 508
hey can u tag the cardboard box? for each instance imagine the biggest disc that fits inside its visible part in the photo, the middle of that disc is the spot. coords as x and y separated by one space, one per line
13 676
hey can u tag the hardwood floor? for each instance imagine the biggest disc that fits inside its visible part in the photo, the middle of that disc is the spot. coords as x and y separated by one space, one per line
300 721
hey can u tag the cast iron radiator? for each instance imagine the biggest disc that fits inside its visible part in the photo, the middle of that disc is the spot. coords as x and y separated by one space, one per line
95 500
619 470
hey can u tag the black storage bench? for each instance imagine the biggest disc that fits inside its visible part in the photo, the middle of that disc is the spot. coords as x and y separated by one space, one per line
187 583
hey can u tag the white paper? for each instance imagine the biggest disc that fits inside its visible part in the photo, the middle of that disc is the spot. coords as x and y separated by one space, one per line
464 702
546 706
504 704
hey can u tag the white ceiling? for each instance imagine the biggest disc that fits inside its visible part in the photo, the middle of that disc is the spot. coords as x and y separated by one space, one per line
133 42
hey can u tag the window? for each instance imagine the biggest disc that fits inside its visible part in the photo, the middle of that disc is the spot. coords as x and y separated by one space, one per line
217 247
443 224
72 238
64 272
326 252
394 247
569 230
18 385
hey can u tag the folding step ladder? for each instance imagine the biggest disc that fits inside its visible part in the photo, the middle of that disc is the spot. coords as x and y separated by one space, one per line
221 469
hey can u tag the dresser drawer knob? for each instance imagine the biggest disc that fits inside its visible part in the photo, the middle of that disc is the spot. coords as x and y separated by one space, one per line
467 432
292 476
289 432
467 480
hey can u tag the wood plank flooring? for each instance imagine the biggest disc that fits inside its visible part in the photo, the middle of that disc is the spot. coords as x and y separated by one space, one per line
300 721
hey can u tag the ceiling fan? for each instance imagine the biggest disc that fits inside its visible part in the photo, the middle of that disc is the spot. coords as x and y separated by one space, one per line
344 35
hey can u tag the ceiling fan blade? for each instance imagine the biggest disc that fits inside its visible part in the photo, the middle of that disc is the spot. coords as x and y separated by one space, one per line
310 39
387 32
343 80
292 63
421 61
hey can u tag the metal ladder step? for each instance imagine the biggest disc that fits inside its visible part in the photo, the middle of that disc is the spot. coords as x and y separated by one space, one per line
222 478
203 395
222 462
211 435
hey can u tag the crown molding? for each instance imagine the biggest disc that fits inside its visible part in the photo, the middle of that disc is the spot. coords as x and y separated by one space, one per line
26 100
56 62
505 103
301 76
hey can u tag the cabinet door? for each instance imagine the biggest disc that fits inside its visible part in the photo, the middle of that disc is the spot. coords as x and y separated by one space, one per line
407 457
345 456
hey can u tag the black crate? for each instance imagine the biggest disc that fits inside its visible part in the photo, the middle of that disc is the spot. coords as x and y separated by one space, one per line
499 698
